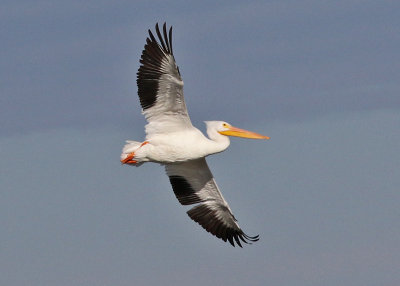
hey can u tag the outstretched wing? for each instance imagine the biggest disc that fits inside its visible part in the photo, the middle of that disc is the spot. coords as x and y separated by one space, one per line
193 183
160 86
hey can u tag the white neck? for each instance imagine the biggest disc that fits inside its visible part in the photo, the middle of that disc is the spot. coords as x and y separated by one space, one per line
218 142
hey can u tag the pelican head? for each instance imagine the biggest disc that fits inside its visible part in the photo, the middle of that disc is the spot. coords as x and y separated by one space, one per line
226 129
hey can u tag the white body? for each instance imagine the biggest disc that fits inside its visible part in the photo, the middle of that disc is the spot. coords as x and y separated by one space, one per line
178 146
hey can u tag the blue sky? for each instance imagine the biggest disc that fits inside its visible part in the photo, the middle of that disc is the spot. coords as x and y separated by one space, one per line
320 77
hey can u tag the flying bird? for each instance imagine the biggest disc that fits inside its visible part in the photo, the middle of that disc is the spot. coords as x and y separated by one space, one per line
174 142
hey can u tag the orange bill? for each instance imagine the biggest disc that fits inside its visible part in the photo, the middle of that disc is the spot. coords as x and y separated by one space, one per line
234 131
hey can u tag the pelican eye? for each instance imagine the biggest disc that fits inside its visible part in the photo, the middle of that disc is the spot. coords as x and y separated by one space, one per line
225 125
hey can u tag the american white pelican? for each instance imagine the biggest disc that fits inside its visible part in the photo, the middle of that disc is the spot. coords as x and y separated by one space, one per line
174 142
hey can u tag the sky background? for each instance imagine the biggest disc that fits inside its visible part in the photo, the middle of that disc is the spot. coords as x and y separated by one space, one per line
321 78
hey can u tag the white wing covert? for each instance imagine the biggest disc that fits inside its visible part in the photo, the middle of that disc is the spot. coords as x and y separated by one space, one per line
193 183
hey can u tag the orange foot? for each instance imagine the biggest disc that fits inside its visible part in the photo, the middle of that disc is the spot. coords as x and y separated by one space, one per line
128 159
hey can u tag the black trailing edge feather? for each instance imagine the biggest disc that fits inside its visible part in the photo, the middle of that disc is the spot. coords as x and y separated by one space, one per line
208 219
151 61
184 192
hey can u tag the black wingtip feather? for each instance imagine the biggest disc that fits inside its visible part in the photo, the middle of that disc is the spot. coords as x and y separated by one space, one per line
165 48
237 240
170 40
166 38
205 217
